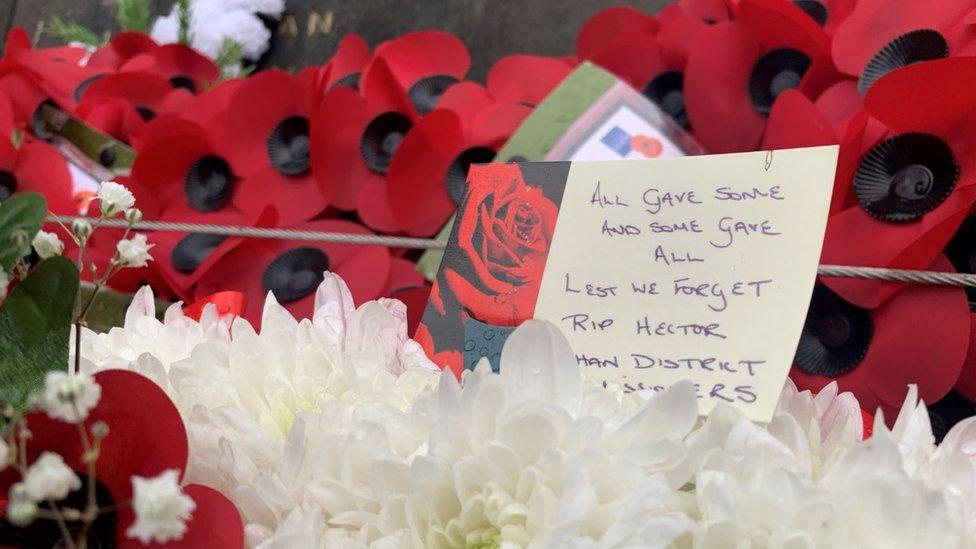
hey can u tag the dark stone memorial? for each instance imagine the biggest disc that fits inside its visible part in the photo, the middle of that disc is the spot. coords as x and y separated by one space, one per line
311 29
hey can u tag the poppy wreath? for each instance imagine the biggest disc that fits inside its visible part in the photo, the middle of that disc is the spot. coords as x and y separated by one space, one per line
380 141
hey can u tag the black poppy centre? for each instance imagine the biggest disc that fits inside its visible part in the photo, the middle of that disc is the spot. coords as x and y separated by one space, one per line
911 47
774 73
456 179
183 81
295 273
288 146
193 249
904 177
815 9
427 92
8 184
666 90
381 138
835 336
208 183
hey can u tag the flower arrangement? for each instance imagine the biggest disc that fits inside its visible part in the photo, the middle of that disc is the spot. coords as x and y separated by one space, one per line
353 439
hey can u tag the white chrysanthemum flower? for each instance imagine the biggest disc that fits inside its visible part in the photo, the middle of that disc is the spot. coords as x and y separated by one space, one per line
49 478
21 510
69 397
114 198
248 399
134 252
47 244
161 508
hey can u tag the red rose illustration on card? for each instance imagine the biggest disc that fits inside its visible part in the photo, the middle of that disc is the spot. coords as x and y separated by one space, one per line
489 279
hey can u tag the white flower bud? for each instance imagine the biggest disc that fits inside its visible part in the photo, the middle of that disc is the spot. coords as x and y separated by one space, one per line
134 252
82 229
5 454
4 283
47 244
69 397
21 511
50 478
99 429
133 216
114 198
161 508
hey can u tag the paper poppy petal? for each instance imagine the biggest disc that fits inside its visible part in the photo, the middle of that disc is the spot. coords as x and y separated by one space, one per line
943 86
350 58
873 24
839 103
41 168
139 89
495 124
297 199
163 165
259 105
416 180
526 79
214 524
381 88
716 89
336 132
403 274
424 53
415 299
708 11
466 99
146 434
966 384
227 303
373 207
24 94
794 122
636 60
180 64
778 24
205 107
854 238
610 25
679 32
899 355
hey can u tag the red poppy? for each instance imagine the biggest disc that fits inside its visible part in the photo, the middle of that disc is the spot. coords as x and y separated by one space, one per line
345 67
876 353
124 46
59 71
36 167
181 65
181 258
293 270
206 107
265 137
146 437
737 69
829 14
915 185
427 177
526 79
22 91
181 165
121 104
424 64
354 137
225 304
795 122
884 35
620 39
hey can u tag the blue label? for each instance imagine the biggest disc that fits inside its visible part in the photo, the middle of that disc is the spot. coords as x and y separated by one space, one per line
618 141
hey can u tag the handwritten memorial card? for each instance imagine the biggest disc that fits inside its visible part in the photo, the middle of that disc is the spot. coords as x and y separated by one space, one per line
697 268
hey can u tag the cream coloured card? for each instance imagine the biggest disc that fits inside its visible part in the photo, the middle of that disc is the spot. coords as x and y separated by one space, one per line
696 268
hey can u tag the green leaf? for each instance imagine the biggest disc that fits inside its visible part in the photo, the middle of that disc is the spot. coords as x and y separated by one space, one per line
35 323
71 32
133 15
21 212
186 18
